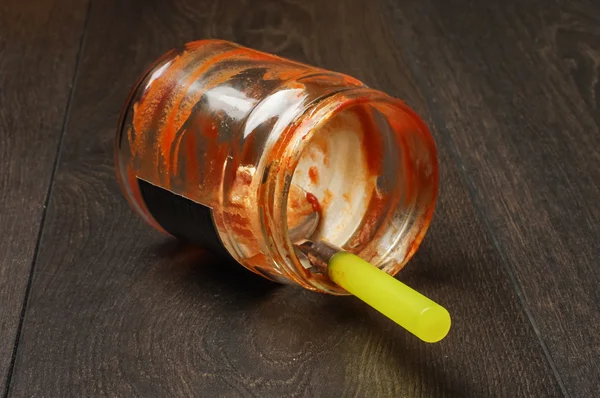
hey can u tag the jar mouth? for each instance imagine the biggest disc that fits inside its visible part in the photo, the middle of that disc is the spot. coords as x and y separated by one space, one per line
371 163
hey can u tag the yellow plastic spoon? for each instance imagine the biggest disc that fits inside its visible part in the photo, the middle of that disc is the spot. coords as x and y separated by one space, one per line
416 313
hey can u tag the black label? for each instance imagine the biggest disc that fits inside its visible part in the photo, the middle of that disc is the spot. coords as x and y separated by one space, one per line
182 218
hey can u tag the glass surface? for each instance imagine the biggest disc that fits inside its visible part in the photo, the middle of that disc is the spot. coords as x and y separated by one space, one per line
249 134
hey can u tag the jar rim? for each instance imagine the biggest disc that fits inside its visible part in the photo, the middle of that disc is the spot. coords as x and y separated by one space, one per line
285 156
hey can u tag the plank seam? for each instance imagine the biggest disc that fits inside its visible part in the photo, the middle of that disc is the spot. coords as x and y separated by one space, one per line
59 146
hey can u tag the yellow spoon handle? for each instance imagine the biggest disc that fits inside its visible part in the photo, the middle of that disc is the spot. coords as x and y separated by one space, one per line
408 308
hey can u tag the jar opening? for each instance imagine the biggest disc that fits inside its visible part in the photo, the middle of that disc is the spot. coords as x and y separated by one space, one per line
370 164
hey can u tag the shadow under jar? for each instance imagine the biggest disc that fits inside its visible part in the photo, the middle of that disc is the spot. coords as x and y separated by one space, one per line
226 146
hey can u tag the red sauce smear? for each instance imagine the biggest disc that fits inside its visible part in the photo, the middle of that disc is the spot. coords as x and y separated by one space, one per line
313 174
371 221
372 145
314 202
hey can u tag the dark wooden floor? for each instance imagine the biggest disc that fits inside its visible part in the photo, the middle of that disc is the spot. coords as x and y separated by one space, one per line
93 302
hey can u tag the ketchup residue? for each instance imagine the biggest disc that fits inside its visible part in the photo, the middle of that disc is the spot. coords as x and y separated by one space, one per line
313 173
371 145
314 202
371 221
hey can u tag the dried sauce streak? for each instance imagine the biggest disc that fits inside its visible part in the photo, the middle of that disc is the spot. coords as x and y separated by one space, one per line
313 174
370 221
372 145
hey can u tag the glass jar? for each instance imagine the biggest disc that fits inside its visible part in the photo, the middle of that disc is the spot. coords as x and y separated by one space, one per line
226 146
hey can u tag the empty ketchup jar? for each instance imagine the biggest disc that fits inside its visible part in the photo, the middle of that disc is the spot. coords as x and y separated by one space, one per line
228 147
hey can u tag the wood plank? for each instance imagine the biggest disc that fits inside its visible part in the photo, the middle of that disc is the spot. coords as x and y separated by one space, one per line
514 88
39 42
119 309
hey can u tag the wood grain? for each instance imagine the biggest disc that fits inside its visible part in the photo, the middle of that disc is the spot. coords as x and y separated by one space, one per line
118 309
514 88
39 42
